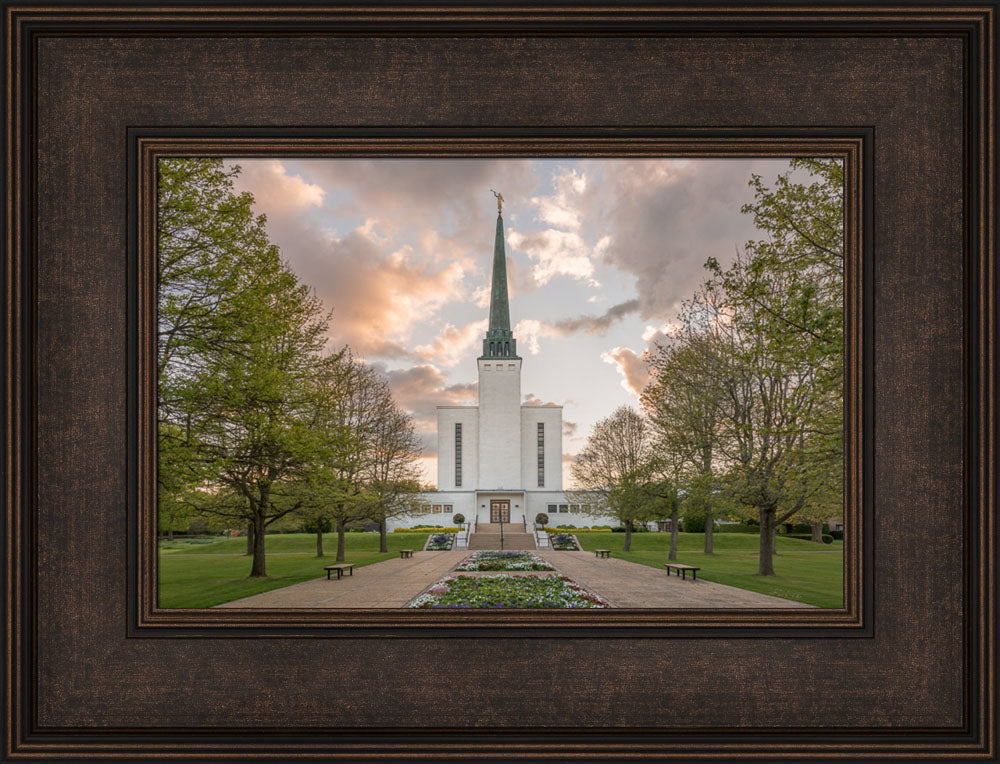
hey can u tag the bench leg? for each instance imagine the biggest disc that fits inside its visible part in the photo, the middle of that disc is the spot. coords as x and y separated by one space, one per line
684 575
694 575
328 575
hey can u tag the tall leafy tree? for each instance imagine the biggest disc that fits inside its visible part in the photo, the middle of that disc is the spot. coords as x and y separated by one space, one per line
612 469
780 319
686 401
393 473
239 342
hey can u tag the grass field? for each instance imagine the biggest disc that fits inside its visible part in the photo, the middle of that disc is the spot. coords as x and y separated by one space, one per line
196 574
804 571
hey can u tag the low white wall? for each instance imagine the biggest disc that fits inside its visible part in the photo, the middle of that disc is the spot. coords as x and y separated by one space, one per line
461 502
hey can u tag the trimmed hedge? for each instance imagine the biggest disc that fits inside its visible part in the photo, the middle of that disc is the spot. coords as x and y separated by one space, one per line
564 529
739 528
433 529
839 535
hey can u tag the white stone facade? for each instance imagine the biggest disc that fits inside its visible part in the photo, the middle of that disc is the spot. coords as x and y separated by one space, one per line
500 449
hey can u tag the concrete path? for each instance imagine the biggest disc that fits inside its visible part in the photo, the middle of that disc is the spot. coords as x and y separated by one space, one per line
629 584
393 583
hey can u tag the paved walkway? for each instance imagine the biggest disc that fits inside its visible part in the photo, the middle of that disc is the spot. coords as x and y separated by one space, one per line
629 584
393 583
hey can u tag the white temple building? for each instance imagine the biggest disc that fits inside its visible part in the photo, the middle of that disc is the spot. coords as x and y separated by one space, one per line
499 461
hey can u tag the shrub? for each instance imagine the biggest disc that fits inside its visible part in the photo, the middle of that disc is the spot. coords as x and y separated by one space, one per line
694 523
541 519
425 529
740 528
619 529
839 535
827 539
458 519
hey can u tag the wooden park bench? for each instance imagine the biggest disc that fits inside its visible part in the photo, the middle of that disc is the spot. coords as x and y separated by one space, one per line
603 553
404 553
682 570
348 566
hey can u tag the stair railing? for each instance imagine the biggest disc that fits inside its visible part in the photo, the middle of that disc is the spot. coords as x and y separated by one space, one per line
501 533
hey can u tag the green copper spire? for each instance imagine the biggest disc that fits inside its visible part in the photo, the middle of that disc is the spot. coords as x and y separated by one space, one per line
499 307
499 342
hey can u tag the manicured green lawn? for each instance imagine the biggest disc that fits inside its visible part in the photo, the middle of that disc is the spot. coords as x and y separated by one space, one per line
804 571
202 575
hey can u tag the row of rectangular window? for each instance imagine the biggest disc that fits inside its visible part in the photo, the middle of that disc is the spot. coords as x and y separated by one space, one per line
570 508
500 366
428 509
541 454
458 454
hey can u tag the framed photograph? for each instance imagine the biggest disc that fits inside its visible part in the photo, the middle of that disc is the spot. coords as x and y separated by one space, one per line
495 382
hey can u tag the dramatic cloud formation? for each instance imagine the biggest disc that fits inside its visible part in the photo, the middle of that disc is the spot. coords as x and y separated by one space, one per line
667 217
558 253
400 251
453 344
595 324
277 192
529 330
562 209
632 367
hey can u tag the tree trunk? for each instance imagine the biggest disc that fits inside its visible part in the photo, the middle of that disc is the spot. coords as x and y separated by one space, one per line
170 535
319 538
628 535
258 569
673 536
766 563
383 544
709 527
250 538
817 530
340 539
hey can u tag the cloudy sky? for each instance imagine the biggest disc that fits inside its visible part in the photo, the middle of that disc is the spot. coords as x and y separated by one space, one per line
600 255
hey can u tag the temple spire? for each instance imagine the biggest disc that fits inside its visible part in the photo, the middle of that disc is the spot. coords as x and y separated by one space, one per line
499 342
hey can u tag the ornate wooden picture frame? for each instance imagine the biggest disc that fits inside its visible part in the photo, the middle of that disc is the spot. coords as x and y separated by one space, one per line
904 95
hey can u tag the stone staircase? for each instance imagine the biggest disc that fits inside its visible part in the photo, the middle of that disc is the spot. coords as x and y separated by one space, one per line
487 536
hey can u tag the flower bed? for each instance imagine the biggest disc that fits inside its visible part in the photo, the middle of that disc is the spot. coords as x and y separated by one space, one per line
494 560
563 542
503 591
440 542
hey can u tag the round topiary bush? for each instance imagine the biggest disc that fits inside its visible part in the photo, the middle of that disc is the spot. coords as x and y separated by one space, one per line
458 519
541 519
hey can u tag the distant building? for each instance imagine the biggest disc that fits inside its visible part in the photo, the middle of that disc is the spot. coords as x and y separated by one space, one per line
501 460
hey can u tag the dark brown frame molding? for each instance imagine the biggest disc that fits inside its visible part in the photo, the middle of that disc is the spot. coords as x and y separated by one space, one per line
905 93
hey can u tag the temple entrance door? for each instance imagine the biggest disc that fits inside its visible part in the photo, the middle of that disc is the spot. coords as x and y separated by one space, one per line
500 511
